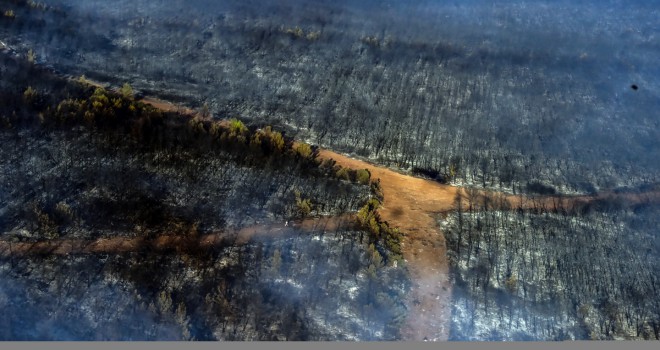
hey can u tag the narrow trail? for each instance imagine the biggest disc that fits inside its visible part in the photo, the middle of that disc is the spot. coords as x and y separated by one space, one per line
175 243
411 204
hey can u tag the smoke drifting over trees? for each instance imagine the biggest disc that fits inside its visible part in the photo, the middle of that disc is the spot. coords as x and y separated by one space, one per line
99 166
543 98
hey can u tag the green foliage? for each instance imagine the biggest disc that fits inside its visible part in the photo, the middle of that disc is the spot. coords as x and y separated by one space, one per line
453 169
511 284
183 320
126 91
37 5
5 122
393 241
108 110
372 271
30 95
363 176
100 96
584 310
299 33
165 302
205 111
237 127
380 231
303 206
371 41
216 129
196 126
46 226
377 190
268 141
64 211
343 174
105 110
313 36
296 32
373 204
70 110
237 130
327 165
375 257
303 150
276 263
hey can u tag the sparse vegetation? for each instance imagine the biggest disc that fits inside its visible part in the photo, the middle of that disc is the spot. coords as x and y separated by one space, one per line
512 113
387 238
299 33
114 167
126 91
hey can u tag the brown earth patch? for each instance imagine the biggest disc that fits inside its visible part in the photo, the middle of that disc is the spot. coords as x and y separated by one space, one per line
412 204
179 243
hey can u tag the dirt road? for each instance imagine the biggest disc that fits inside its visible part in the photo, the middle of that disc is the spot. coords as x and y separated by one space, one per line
169 242
411 204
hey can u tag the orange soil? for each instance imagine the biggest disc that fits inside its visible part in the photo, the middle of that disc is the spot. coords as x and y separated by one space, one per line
411 205
168 106
179 243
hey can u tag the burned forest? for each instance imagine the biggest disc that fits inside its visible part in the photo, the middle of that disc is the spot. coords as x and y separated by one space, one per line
310 170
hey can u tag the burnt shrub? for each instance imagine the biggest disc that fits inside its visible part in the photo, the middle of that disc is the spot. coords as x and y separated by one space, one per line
539 188
432 174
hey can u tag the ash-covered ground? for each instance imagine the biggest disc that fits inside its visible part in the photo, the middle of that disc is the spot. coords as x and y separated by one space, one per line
545 97
98 168
497 94
546 276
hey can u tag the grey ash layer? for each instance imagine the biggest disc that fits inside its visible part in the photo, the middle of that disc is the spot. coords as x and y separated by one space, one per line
507 92
538 96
